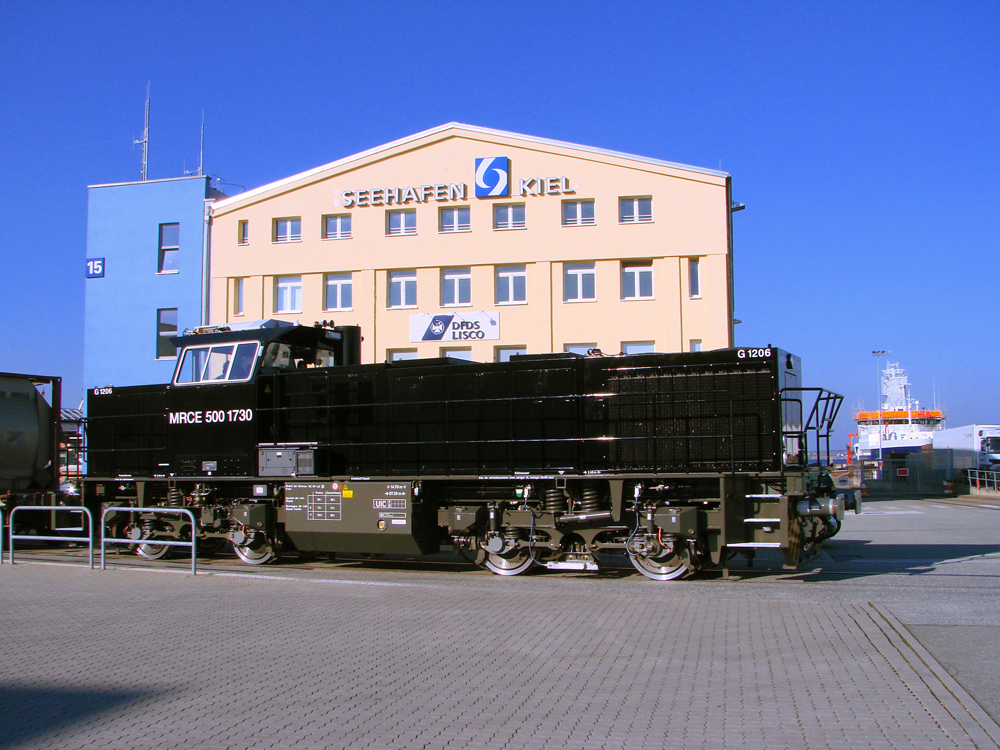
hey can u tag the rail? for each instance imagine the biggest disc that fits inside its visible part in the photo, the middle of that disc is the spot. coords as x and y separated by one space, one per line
159 542
69 509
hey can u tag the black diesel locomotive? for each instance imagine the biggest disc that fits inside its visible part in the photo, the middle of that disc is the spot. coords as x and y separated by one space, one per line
278 439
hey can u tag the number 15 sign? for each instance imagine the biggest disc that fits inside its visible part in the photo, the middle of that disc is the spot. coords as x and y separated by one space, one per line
95 268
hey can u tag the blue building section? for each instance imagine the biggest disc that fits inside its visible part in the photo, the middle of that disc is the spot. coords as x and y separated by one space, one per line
146 270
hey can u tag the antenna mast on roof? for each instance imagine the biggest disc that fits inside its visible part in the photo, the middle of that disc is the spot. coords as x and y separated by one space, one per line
201 153
144 142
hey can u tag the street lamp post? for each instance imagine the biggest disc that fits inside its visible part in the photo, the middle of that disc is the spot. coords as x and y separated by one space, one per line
878 372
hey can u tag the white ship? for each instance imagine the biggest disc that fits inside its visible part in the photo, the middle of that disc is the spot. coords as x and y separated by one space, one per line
900 426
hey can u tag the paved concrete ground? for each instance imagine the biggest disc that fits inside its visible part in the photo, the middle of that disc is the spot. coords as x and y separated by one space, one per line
391 655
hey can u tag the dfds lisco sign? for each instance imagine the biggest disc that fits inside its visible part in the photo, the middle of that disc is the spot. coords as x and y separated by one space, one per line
454 327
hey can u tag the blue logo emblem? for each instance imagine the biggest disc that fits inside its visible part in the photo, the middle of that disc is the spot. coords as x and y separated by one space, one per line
439 324
492 177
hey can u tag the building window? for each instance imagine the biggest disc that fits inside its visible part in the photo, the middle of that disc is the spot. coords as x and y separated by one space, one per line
166 326
577 213
170 248
339 292
506 353
695 345
635 210
454 219
694 277
456 286
579 282
511 285
403 288
508 216
243 232
288 294
581 349
637 347
337 227
238 296
460 352
637 280
400 355
401 222
288 230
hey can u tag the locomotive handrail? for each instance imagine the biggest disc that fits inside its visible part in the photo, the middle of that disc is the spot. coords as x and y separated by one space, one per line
158 542
820 420
69 508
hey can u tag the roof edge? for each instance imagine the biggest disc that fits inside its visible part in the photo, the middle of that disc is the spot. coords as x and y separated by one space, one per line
146 182
277 184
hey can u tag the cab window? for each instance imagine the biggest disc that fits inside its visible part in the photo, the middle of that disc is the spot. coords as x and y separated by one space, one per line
216 364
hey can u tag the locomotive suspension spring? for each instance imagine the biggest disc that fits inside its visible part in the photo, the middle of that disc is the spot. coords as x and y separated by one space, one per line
512 536
554 500
591 498
174 497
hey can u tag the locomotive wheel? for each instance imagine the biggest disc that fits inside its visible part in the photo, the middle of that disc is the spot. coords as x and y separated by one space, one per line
254 554
511 563
152 551
666 568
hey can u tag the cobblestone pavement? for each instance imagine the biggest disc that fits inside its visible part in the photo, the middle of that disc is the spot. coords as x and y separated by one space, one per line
346 658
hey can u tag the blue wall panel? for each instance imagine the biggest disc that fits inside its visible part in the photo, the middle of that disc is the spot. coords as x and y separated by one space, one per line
123 223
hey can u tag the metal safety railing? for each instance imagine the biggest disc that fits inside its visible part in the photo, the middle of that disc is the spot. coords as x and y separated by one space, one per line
34 537
981 479
158 542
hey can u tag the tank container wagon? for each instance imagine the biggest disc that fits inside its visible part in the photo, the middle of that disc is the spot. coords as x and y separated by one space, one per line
30 437
278 439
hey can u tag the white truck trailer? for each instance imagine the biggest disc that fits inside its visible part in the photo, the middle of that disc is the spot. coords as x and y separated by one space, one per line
977 445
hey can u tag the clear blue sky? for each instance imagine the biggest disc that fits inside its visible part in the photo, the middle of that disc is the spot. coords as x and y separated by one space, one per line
862 137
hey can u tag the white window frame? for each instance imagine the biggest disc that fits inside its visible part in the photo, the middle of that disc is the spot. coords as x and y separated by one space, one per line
578 217
635 210
400 355
634 272
506 279
239 288
288 229
164 330
456 287
458 352
505 353
405 280
638 347
580 349
694 278
169 251
243 232
288 294
578 272
341 227
407 222
341 282
510 221
694 345
454 219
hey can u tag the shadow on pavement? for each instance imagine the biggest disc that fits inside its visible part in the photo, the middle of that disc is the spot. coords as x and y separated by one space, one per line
28 714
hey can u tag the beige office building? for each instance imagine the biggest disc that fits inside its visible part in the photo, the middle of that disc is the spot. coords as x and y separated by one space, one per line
468 242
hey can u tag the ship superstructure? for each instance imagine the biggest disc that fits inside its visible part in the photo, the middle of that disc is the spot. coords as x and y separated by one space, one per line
900 426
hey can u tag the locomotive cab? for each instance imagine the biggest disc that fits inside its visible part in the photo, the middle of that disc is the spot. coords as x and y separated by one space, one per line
220 380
